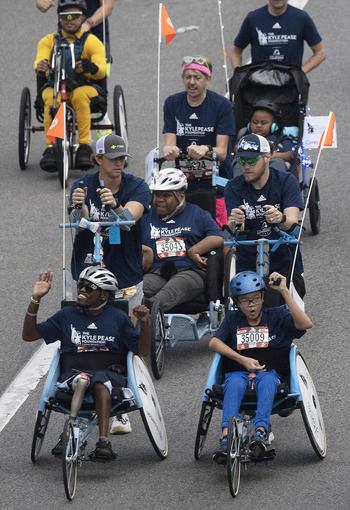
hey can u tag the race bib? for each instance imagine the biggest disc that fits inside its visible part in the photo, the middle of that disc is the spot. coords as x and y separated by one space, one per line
252 337
170 247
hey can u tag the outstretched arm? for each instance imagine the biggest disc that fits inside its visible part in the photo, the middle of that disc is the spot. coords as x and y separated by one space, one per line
40 289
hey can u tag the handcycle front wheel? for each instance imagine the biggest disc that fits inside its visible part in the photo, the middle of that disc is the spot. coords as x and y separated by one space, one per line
157 332
202 429
41 423
233 462
314 208
69 460
24 128
120 118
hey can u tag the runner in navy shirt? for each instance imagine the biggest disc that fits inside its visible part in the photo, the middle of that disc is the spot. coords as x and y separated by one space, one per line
277 32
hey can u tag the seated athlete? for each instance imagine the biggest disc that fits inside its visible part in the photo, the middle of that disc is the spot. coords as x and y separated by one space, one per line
176 238
90 66
268 357
94 325
264 122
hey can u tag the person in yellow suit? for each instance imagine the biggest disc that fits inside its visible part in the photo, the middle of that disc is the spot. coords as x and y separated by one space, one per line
82 81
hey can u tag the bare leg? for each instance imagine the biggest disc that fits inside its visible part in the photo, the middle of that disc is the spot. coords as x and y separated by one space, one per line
103 408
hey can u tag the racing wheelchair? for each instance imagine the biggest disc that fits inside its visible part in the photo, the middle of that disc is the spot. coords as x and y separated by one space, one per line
65 149
287 88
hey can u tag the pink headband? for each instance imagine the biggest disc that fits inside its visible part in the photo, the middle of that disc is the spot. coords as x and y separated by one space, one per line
198 67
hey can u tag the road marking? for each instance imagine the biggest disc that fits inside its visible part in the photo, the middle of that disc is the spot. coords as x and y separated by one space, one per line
26 381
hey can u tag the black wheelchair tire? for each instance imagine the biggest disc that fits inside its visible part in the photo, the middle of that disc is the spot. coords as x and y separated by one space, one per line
41 423
202 429
162 454
314 208
24 126
157 332
69 464
119 111
311 411
233 465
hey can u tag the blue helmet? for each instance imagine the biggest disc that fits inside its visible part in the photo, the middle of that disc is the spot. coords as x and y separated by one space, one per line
246 282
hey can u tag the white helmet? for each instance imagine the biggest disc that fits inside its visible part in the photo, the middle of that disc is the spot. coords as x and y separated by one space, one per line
168 179
101 277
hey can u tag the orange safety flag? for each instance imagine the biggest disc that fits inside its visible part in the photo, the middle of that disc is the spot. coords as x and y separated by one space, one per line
167 29
57 128
327 136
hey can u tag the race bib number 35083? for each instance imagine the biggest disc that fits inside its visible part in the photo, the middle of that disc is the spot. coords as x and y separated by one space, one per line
171 247
252 337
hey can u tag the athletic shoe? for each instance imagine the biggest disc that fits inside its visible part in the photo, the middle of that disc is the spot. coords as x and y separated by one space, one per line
83 159
121 425
103 452
258 446
220 456
48 161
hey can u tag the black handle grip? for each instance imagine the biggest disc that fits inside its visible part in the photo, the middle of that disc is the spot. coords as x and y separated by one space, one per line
277 282
79 206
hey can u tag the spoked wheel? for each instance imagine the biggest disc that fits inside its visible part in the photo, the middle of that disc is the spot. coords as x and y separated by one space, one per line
157 341
119 110
62 161
314 208
24 128
202 429
40 427
69 460
233 453
150 411
311 409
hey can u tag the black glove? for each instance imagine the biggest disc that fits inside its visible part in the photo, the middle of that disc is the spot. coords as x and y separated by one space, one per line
88 66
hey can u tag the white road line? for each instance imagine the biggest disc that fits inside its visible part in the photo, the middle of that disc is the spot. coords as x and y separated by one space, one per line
27 380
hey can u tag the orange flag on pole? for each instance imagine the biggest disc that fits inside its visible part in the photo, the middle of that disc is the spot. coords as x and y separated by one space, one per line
328 135
57 128
167 29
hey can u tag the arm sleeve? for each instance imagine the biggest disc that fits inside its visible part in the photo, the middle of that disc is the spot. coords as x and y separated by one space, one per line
223 333
169 117
142 195
95 52
44 49
311 35
244 35
209 226
51 329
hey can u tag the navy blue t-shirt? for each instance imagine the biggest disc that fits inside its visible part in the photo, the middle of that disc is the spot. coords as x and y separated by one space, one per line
277 38
125 259
281 190
200 124
111 330
282 332
171 239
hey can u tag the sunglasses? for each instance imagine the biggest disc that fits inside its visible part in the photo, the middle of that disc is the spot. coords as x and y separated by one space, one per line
195 60
89 287
249 162
70 16
247 302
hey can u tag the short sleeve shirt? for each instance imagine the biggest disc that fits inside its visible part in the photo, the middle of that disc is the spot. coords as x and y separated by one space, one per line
281 332
124 259
282 191
277 38
171 239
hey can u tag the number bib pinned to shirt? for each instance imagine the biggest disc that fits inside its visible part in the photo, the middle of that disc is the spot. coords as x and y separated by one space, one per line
252 338
171 247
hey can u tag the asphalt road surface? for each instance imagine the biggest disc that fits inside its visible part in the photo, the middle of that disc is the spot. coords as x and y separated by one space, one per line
31 209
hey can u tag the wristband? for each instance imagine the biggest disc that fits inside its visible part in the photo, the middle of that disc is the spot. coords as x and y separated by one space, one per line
35 301
31 314
283 220
117 204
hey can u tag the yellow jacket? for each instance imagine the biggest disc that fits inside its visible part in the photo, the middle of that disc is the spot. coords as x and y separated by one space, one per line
93 50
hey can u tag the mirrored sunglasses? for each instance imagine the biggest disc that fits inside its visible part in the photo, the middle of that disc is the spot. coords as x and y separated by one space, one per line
70 16
249 162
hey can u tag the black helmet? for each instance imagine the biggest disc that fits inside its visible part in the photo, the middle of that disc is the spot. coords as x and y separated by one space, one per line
266 104
79 4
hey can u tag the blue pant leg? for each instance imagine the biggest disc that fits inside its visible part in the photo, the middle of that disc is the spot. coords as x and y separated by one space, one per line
266 386
235 385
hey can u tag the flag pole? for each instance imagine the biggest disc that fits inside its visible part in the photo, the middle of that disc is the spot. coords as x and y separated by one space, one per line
158 71
65 172
223 48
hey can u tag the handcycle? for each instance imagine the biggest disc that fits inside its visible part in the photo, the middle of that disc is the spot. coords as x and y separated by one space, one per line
65 149
287 87
296 392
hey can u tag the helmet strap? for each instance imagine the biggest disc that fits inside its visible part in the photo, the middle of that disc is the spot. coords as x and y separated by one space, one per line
178 209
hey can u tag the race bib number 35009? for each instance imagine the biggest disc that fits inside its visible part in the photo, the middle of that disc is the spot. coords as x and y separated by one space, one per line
171 247
252 337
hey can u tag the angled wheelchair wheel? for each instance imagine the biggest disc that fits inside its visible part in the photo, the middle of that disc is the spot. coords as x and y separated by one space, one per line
233 465
119 110
311 409
62 161
69 460
40 427
150 411
229 272
157 331
314 208
24 128
202 429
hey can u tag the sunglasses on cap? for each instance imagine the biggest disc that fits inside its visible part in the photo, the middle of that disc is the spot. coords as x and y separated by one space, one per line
249 162
89 287
196 60
70 16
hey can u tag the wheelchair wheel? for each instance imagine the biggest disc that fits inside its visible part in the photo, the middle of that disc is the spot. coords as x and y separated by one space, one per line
311 409
24 128
119 110
233 465
202 429
69 460
229 272
150 411
157 331
62 162
314 208
40 427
